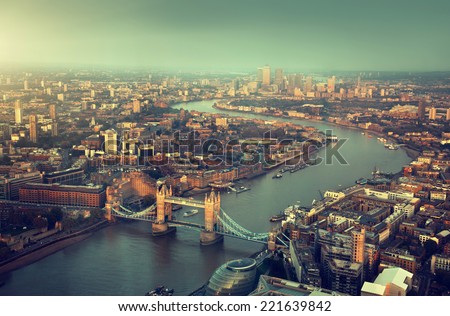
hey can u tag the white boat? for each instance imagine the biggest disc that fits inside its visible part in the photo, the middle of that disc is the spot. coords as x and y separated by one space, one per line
190 213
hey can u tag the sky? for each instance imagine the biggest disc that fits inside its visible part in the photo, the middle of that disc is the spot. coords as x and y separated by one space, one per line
322 35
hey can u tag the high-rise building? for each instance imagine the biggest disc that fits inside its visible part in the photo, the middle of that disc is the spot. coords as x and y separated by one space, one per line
5 131
92 93
60 97
308 84
33 127
278 76
358 245
345 276
331 84
234 84
25 84
84 105
299 81
447 116
259 75
432 114
52 111
136 106
110 141
421 110
266 75
54 129
18 111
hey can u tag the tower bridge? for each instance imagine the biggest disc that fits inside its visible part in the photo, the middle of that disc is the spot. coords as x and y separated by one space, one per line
216 223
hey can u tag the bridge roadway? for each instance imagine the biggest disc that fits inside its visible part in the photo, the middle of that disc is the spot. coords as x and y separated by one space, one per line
184 201
186 224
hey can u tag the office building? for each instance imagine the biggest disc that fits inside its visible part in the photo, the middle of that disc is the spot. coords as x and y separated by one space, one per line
236 277
136 106
421 110
68 195
33 128
18 111
266 75
72 176
279 76
52 111
345 276
11 185
331 86
110 144
432 113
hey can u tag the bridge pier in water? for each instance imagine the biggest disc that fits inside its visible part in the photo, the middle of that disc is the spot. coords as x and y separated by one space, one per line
208 236
217 223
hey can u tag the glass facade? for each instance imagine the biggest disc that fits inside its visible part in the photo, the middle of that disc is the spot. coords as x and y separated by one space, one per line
236 277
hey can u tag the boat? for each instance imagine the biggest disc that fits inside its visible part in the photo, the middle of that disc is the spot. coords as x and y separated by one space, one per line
190 213
392 147
176 207
277 218
241 189
277 176
297 168
160 291
361 181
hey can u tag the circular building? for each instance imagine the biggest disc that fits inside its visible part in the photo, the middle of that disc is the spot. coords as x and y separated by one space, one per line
236 277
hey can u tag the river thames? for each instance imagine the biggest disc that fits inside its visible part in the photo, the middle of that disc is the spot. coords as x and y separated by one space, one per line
124 259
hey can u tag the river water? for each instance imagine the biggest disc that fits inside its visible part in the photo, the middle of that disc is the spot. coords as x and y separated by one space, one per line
124 259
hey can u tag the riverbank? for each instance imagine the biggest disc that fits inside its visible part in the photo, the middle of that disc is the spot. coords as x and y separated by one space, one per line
411 152
49 248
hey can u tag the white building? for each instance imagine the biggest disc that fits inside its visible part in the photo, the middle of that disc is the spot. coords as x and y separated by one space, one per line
390 282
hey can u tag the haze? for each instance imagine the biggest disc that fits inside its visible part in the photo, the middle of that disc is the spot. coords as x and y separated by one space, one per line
235 35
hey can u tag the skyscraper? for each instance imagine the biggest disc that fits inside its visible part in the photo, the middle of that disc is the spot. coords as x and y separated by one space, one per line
259 75
25 85
18 112
308 84
33 127
331 84
52 111
421 110
266 75
432 114
278 76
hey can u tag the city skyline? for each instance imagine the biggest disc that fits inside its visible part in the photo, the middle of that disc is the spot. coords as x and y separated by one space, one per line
326 36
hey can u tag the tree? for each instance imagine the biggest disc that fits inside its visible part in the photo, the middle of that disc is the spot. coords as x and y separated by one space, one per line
40 222
55 215
4 250
430 248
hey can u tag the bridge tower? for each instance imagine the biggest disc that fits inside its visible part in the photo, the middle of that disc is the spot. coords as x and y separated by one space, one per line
163 212
208 236
272 241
